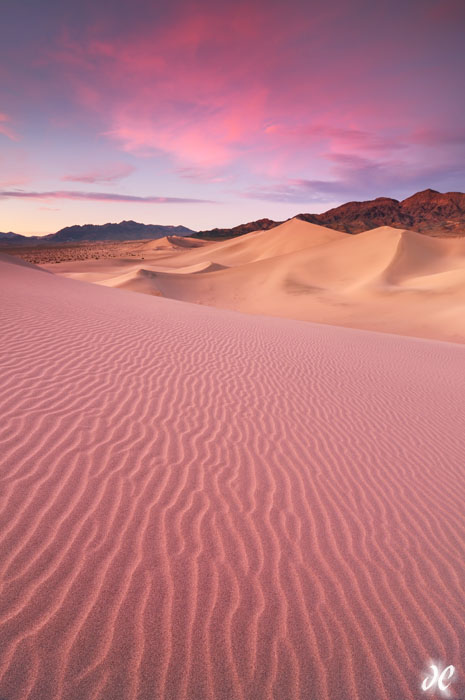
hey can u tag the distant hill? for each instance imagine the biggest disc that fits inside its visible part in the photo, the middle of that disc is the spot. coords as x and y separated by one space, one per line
429 212
260 225
11 237
124 231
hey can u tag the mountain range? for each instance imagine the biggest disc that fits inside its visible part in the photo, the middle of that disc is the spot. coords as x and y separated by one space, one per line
124 231
430 212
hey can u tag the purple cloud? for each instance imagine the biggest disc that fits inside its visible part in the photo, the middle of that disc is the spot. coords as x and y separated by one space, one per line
438 137
299 191
6 129
99 197
356 177
103 175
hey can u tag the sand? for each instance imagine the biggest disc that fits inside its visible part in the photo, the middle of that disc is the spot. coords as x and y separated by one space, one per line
387 279
196 503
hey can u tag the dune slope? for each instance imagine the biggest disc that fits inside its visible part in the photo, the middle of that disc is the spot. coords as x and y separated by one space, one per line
292 236
196 503
385 279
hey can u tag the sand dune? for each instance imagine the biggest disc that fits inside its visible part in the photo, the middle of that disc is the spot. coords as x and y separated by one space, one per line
199 504
292 236
145 281
387 279
13 260
203 266
186 242
136 280
173 242
101 262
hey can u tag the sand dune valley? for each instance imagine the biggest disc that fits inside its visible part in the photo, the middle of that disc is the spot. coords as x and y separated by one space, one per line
235 469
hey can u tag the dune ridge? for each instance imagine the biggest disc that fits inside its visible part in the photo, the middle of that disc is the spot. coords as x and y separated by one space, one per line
196 503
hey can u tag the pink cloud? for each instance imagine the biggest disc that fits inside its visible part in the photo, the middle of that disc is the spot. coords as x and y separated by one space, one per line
347 138
12 180
445 11
103 175
209 141
438 137
255 88
195 89
97 196
5 128
205 175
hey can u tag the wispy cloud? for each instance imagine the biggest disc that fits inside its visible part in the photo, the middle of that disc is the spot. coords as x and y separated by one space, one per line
203 175
299 191
6 129
337 138
356 177
99 197
110 173
439 137
12 180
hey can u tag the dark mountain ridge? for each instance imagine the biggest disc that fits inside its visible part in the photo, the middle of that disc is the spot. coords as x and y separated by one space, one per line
11 237
429 212
259 225
124 231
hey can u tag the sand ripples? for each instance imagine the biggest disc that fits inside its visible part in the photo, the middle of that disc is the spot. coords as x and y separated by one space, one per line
198 504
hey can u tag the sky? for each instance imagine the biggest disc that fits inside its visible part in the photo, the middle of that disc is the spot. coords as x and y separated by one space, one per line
209 114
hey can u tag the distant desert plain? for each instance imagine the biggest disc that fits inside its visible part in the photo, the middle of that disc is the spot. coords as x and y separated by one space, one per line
197 503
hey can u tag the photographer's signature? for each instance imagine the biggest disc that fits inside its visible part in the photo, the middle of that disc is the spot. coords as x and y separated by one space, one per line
438 679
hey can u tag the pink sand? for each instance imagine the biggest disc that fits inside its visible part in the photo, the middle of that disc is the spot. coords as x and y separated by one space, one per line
196 503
